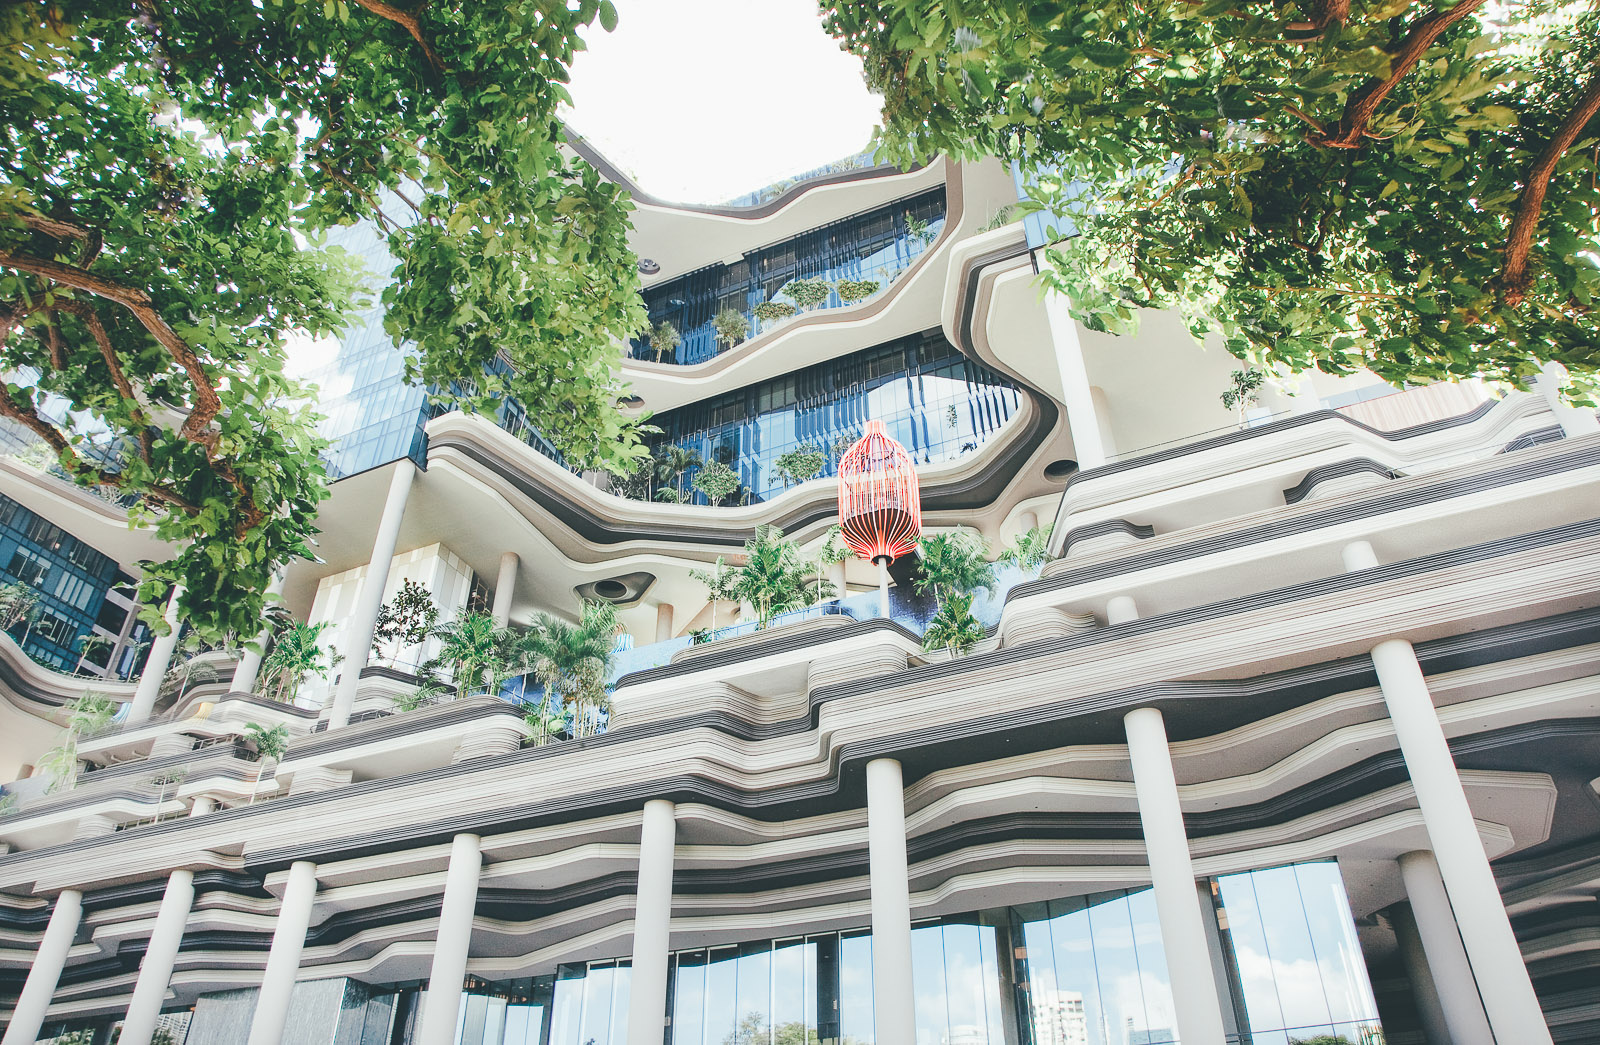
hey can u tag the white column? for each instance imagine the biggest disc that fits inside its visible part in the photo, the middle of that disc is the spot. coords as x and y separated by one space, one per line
883 587
1491 946
45 971
836 574
249 666
1183 934
150 990
1120 609
1415 962
1075 386
893 995
505 588
1028 520
453 941
1447 964
156 665
356 641
1575 421
663 621
283 960
652 924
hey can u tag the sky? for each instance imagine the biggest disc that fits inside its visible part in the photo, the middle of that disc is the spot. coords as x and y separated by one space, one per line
703 100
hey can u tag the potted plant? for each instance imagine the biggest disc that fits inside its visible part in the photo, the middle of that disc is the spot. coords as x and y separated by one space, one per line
773 311
807 294
1245 391
665 338
851 291
731 326
716 480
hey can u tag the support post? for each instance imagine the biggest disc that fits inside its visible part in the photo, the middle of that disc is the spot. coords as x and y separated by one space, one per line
249 666
45 972
893 994
883 587
1435 1031
663 621
357 641
1082 418
1447 966
652 924
283 960
452 943
505 588
1574 421
156 664
1491 945
155 971
1183 935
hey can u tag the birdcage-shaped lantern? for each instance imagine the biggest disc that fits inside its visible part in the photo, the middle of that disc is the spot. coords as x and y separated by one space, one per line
880 508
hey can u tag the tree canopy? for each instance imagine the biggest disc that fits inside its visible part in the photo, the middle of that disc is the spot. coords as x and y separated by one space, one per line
167 173
1399 184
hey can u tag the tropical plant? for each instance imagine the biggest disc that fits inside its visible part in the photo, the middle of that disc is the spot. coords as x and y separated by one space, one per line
919 229
1002 217
953 563
667 495
546 718
88 714
406 620
852 290
716 480
475 650
16 603
8 803
1031 549
152 278
731 326
664 338
773 577
830 552
296 655
952 418
807 293
721 582
169 778
428 692
953 627
270 744
1244 390
187 669
677 461
797 465
571 662
91 643
1408 187
772 311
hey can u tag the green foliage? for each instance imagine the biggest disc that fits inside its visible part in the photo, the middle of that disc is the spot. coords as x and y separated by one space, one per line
797 465
953 627
807 293
406 620
1031 550
16 603
90 713
1003 217
674 464
296 655
716 480
919 229
165 185
1243 391
664 339
852 290
475 650
571 661
268 742
772 311
772 579
721 583
731 326
953 563
830 552
1402 186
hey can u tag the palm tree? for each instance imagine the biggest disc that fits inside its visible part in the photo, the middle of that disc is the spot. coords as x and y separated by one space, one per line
571 661
679 460
186 670
721 583
953 563
953 627
296 653
475 647
831 552
270 744
1031 549
772 579
88 714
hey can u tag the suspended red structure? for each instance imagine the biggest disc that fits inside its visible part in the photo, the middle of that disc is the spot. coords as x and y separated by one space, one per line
880 508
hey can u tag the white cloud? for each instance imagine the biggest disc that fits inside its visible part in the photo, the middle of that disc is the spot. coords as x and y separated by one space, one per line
702 100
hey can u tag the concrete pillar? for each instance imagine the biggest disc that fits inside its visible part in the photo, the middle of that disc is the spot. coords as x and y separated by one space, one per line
150 990
451 944
1435 1031
1446 969
1120 609
893 995
45 972
249 666
202 805
1075 385
836 574
1183 935
356 642
664 627
652 925
1028 520
1491 946
283 960
156 665
505 588
1575 421
883 587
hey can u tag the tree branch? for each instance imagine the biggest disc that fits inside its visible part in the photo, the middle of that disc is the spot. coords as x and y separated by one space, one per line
1516 279
407 20
1362 105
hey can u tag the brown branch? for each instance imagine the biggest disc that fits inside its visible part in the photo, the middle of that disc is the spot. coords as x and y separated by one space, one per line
91 320
1362 105
409 21
1516 279
207 403
1328 12
58 229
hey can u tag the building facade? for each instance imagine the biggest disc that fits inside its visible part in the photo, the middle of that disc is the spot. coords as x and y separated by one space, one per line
1289 737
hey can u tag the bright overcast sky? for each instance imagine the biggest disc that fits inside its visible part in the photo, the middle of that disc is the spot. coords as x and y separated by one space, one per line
703 100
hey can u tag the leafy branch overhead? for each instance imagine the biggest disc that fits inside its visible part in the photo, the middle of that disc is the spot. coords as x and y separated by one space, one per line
166 177
1321 183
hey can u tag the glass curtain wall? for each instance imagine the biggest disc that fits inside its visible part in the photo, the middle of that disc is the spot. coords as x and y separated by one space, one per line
936 402
874 245
68 580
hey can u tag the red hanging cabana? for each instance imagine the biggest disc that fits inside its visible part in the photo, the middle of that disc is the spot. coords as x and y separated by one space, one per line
880 508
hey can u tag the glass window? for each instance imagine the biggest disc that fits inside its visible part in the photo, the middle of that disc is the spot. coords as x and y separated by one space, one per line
30 568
